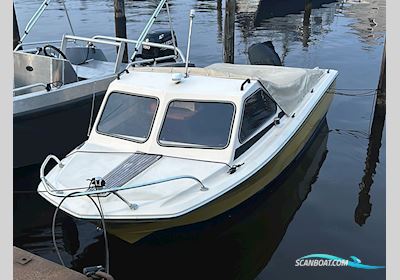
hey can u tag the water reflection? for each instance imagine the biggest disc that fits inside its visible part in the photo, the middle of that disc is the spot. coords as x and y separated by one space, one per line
286 22
306 22
271 9
369 19
277 8
364 206
70 236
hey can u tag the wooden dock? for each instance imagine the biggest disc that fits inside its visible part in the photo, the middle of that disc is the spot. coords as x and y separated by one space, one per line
28 266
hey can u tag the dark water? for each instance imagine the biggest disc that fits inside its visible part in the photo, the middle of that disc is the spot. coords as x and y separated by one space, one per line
331 201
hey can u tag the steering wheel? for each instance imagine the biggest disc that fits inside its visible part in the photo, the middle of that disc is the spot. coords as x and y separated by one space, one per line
57 50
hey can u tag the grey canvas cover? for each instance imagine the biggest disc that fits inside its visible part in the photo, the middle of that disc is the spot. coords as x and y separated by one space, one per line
287 86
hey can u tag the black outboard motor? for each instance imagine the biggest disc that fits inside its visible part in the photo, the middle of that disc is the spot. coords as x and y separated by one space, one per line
161 37
264 54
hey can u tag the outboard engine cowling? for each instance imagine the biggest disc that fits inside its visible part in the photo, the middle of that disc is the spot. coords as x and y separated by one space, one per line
264 54
161 37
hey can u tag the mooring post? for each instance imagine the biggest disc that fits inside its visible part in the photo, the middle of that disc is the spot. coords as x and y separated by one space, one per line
219 20
382 77
16 37
120 24
229 32
306 22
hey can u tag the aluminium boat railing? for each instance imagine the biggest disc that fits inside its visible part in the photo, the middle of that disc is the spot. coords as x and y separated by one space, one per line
17 48
61 193
115 39
149 44
63 47
17 91
120 45
108 40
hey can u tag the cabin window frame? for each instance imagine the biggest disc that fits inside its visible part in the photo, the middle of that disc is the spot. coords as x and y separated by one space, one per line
127 137
191 146
261 127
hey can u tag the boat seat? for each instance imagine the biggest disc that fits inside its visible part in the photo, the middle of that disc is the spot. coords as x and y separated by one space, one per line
94 69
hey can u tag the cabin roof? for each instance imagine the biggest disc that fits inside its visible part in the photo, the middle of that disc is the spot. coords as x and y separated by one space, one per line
200 85
287 85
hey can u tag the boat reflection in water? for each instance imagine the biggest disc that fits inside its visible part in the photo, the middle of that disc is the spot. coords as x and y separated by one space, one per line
252 16
269 9
236 244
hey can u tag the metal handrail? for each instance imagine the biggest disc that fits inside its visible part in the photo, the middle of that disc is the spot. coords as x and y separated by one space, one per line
16 90
89 40
34 43
143 43
58 193
120 45
43 166
154 60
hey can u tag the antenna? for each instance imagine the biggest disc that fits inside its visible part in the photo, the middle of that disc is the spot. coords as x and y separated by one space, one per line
192 13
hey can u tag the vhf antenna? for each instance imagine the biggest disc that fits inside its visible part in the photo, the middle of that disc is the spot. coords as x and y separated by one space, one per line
192 13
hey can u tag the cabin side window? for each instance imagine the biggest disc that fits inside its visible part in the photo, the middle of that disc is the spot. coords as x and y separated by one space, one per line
258 109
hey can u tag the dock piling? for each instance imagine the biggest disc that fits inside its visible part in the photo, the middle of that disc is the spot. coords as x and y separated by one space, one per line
229 31
306 22
219 20
382 76
120 24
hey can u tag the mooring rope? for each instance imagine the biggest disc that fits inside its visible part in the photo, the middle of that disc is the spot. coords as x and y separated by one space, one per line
69 20
100 210
354 92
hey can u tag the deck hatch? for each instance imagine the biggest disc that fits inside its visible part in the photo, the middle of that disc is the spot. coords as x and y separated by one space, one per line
129 168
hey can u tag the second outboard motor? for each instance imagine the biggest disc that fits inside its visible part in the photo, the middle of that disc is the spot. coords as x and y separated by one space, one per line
161 37
264 54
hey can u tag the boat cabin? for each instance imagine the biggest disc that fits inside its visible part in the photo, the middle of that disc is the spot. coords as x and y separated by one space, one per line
209 115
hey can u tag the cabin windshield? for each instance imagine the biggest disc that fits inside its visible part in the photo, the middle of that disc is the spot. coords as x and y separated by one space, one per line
128 116
197 124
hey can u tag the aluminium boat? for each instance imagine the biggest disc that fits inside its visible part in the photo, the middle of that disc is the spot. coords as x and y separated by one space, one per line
59 85
170 148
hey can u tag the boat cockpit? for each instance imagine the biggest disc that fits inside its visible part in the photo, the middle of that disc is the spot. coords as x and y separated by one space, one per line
47 65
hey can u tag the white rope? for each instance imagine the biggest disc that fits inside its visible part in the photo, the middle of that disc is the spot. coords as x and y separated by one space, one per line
92 109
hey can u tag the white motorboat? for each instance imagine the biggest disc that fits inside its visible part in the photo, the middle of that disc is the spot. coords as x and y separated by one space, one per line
169 149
